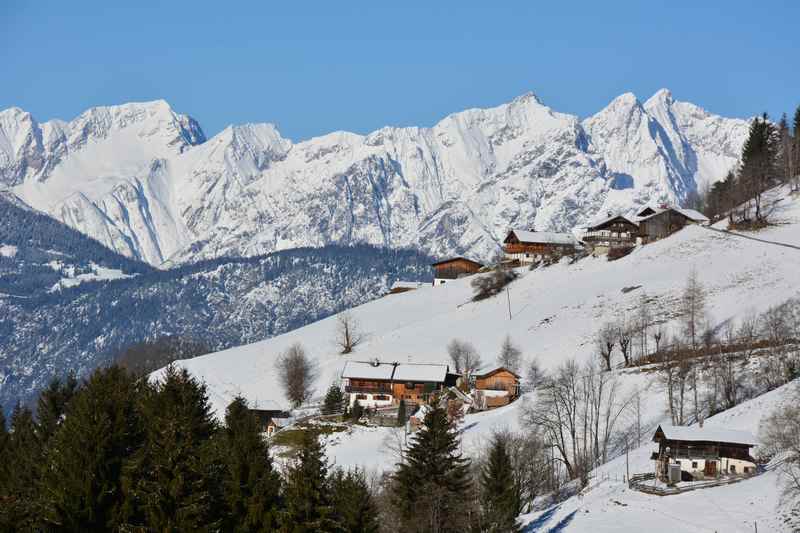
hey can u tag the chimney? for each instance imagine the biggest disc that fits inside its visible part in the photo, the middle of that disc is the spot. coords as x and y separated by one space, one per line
701 421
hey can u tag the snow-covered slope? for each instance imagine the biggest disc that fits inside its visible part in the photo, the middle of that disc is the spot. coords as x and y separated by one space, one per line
609 505
555 310
144 181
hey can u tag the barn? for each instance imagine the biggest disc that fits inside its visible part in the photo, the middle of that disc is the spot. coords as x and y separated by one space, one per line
454 268
657 223
377 384
703 452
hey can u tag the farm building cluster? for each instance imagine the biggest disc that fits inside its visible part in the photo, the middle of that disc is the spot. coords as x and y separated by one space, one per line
614 236
382 385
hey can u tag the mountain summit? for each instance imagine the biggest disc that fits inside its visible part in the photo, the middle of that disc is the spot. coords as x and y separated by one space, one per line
144 180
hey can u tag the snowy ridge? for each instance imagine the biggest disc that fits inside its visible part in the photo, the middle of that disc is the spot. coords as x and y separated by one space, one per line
143 179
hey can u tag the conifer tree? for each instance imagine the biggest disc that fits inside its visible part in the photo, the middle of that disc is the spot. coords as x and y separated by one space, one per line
251 485
758 161
307 495
431 488
52 404
354 506
796 150
172 483
334 400
20 509
402 415
501 502
81 486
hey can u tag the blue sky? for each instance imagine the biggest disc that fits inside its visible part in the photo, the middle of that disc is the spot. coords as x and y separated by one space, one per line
313 67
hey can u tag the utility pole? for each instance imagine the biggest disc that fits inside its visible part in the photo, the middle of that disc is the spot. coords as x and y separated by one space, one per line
627 464
508 296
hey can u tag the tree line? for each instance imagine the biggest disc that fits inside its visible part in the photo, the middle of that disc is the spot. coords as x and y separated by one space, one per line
117 452
770 157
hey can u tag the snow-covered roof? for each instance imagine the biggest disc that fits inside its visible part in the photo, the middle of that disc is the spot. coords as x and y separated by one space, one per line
494 393
368 370
489 369
609 219
543 237
692 214
458 258
706 434
420 372
407 284
395 371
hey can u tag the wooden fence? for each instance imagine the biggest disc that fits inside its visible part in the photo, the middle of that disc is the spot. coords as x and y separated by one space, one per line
639 482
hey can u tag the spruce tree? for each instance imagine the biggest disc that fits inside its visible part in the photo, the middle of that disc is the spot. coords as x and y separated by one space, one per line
307 495
52 405
402 414
431 487
81 487
354 506
334 401
796 150
500 496
20 509
251 485
172 482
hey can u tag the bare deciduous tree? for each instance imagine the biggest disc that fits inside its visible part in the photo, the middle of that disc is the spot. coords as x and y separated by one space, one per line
781 435
348 332
624 337
464 356
693 305
509 355
533 374
605 339
297 373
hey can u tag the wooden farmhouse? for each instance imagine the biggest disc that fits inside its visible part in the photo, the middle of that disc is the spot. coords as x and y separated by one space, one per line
454 268
615 231
377 384
657 223
702 452
495 386
528 247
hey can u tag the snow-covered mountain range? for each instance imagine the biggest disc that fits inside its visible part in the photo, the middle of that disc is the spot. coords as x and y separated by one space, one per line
145 181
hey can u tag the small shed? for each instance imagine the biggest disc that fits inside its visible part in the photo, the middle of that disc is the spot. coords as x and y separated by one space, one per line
527 247
703 452
270 420
497 382
454 268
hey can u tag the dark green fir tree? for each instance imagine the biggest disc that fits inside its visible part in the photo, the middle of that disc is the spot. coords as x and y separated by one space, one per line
307 495
354 506
501 502
52 405
334 401
432 487
173 483
402 415
81 487
20 509
252 487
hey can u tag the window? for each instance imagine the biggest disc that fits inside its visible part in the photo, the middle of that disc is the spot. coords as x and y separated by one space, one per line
361 396
694 464
410 385
747 470
733 469
382 398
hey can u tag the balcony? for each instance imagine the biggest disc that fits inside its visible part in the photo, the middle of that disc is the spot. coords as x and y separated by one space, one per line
369 389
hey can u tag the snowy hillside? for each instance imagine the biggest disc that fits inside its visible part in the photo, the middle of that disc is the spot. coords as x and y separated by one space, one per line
555 310
144 180
609 505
